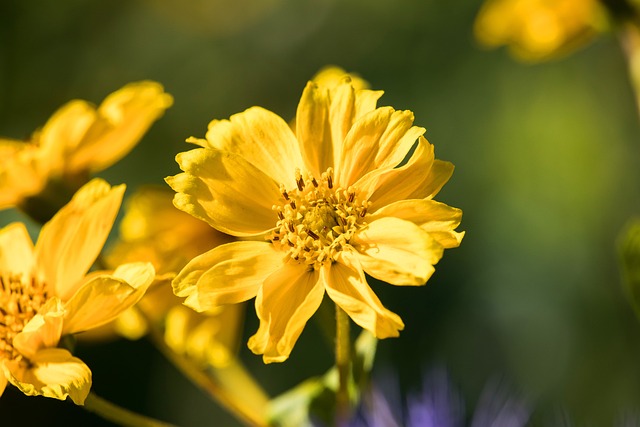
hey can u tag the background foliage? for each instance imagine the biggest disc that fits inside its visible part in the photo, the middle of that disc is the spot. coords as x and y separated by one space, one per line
547 173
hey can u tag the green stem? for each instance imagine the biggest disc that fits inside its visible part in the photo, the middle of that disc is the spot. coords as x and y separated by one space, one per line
116 414
251 412
343 363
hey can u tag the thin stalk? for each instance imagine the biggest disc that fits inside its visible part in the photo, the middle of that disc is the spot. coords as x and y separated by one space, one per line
343 363
118 415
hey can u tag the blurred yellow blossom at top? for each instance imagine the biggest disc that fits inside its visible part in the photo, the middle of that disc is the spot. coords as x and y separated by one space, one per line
153 230
317 206
46 293
79 139
536 30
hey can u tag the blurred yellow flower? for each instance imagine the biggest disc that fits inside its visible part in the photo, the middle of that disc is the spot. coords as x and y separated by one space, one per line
537 30
46 293
153 230
317 207
77 140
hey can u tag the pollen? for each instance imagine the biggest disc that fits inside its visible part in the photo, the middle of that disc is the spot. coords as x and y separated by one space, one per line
315 220
20 300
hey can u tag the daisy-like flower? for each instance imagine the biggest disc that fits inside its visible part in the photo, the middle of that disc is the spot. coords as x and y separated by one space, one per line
317 207
46 293
79 139
153 230
536 30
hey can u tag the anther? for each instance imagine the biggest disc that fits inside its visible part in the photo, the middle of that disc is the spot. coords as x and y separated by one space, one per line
313 235
314 182
292 204
352 196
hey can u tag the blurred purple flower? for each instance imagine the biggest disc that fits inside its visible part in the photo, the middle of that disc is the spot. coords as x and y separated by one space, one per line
440 405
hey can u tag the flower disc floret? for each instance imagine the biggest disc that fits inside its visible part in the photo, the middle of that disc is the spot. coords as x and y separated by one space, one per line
19 301
316 220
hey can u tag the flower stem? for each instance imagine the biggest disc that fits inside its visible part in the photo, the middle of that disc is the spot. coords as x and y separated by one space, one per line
251 411
119 415
343 363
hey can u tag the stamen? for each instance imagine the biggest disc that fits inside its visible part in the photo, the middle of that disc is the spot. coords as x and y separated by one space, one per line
316 220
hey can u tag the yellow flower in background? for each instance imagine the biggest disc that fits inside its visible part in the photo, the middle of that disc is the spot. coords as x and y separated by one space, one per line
536 30
45 293
79 139
317 207
153 230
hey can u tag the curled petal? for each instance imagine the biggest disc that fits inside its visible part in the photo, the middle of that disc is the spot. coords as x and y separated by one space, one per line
52 372
117 126
384 186
288 298
103 297
397 251
261 138
437 219
69 243
227 274
347 287
42 331
379 140
226 191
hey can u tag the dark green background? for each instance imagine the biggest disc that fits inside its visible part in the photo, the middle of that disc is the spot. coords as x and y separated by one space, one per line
547 173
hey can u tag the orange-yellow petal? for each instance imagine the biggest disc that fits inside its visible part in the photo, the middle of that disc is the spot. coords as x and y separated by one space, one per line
313 128
228 274
102 298
52 372
348 288
286 301
16 250
226 191
380 139
263 139
3 382
397 251
42 331
69 243
436 218
387 185
119 124
22 174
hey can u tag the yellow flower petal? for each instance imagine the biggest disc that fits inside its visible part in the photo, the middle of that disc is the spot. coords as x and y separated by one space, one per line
69 243
347 287
384 186
331 76
436 218
64 131
380 139
226 191
313 129
120 122
209 339
22 174
263 139
397 251
101 299
227 274
42 331
288 298
52 372
16 250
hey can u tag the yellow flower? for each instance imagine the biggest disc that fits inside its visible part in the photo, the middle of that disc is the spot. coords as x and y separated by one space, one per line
317 207
46 293
154 230
536 30
78 139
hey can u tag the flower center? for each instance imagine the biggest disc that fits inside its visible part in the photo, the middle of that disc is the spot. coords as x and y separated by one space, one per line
19 302
316 220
